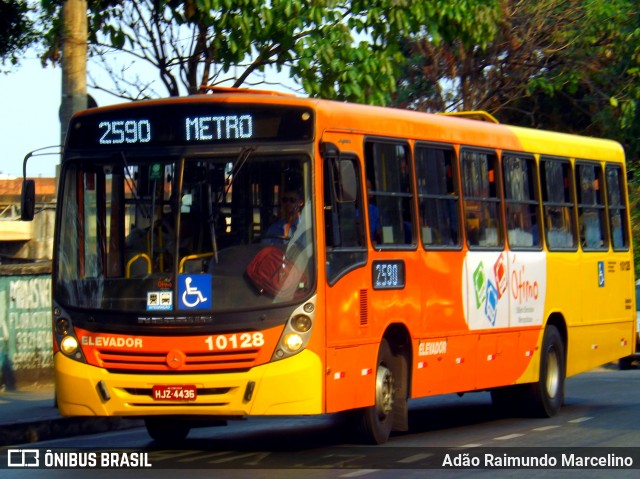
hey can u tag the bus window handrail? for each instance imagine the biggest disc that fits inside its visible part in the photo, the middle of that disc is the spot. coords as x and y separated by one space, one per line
191 257
144 256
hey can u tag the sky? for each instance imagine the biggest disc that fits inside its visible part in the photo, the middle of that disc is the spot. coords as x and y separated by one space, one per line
29 116
29 102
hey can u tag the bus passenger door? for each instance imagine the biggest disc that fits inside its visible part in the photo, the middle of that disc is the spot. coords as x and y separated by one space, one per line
346 293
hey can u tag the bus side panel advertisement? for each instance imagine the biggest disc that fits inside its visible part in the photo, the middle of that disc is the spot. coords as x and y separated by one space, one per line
504 289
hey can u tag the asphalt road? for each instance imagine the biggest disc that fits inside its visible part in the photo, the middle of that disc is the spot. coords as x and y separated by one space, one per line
600 419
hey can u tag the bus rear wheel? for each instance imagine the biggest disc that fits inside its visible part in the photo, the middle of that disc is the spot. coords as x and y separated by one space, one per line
547 395
377 420
166 430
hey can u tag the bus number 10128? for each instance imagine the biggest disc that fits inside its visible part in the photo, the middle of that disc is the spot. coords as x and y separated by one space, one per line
225 342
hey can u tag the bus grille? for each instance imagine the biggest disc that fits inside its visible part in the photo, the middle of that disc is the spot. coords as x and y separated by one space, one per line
192 362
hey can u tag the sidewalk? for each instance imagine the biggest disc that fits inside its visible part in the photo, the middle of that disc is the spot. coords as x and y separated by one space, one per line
29 415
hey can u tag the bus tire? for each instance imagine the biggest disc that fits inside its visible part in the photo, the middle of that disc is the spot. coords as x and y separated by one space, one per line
165 430
625 363
377 420
547 395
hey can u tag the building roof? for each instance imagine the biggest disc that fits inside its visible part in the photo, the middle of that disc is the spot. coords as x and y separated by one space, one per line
10 189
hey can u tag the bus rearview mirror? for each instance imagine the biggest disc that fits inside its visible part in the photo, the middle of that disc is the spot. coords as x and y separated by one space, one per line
347 181
27 200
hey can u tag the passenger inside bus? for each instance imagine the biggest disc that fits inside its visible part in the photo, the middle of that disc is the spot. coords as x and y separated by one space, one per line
155 244
473 229
283 229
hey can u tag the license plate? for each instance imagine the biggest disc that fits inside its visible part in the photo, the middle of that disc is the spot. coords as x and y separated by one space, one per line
174 392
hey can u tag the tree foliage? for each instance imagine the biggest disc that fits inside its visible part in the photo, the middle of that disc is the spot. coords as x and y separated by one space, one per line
16 30
568 65
564 65
342 49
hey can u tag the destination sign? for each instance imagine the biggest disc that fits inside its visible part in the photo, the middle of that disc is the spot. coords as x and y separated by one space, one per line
188 123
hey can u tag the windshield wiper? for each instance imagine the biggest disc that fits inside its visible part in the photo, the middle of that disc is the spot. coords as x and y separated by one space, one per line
237 165
131 184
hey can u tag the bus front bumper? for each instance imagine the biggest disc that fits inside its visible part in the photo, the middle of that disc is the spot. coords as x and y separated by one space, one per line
292 386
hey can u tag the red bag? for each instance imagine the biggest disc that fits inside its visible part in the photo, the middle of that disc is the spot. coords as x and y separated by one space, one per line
271 272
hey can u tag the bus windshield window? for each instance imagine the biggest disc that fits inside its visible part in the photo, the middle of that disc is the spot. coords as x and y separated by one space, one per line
150 235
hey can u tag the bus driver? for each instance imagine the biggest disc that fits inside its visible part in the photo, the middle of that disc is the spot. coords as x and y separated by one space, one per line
283 229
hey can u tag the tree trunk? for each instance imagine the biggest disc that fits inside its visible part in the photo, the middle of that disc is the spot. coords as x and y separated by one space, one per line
74 62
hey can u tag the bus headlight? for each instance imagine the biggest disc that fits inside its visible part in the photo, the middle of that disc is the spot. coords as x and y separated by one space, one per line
69 345
301 323
293 342
297 332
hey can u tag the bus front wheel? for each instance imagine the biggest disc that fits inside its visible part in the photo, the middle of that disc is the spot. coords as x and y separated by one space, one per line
547 395
377 420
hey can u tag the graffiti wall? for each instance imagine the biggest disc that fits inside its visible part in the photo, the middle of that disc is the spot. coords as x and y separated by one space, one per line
26 347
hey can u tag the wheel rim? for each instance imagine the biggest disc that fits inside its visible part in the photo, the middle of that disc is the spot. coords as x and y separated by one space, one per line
553 373
384 391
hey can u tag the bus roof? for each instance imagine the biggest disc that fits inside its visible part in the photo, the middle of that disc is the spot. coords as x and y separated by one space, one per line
469 130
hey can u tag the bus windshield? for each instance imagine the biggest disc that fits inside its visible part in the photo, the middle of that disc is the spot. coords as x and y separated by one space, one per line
180 234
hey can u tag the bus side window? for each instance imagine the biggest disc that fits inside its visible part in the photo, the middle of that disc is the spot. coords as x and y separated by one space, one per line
388 168
617 205
521 201
591 208
481 199
343 220
438 196
557 201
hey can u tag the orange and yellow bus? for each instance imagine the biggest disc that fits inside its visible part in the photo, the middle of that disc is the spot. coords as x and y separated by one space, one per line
247 253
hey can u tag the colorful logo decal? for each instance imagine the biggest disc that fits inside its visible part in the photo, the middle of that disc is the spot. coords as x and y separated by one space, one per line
194 291
165 282
502 289
489 291
491 306
500 271
480 285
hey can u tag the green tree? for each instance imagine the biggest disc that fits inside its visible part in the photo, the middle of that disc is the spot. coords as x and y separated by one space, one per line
342 49
16 31
590 85
564 65
569 65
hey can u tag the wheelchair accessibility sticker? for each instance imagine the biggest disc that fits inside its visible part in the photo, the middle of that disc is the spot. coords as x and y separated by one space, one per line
601 274
194 291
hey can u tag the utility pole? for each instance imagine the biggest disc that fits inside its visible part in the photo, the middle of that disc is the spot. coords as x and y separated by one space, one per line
74 62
